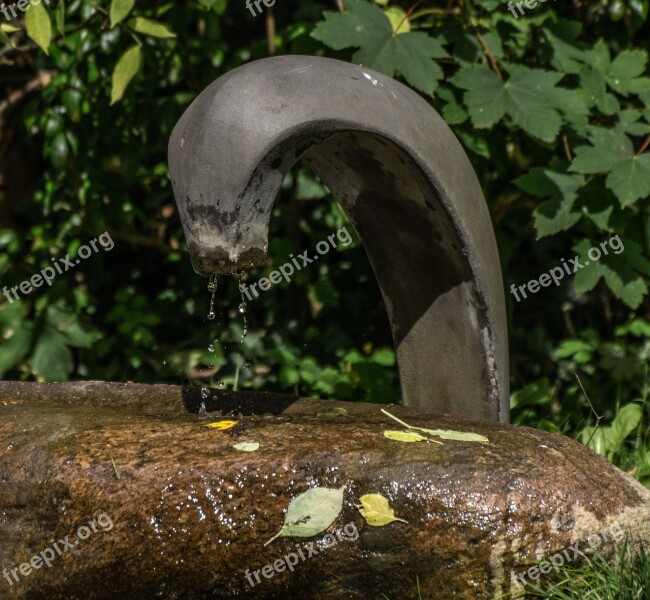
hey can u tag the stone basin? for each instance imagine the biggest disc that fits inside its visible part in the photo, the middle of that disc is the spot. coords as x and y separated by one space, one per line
189 515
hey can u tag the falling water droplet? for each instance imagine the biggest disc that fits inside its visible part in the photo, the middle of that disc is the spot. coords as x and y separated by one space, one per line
205 392
212 287
242 310
210 348
220 382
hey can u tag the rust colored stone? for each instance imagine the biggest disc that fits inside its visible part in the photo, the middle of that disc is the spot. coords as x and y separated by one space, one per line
191 514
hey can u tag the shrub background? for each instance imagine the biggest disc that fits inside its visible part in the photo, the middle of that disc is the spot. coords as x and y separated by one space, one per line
553 109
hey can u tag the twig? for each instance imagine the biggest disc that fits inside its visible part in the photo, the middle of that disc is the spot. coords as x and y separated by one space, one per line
339 5
117 473
644 146
138 239
488 53
41 80
567 148
270 31
598 418
409 12
27 47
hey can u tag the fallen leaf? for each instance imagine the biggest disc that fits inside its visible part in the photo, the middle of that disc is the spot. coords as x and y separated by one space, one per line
405 436
311 512
221 425
246 446
374 508
450 434
447 434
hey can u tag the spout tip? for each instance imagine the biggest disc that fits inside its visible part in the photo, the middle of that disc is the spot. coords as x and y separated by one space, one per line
219 261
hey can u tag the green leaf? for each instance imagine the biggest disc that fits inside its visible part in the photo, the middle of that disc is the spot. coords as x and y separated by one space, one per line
368 28
534 394
557 214
59 16
446 434
119 10
450 434
67 323
15 333
6 39
384 357
611 152
581 351
39 26
246 446
311 512
568 57
360 26
374 508
620 271
629 121
150 27
623 73
51 359
529 97
594 88
404 436
125 70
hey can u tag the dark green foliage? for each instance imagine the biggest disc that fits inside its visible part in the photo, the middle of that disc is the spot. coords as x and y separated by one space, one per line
553 108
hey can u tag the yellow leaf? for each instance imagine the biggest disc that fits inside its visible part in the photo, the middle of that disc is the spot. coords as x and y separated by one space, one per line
375 510
9 28
119 10
5 38
404 436
150 27
398 19
39 26
125 70
221 425
246 446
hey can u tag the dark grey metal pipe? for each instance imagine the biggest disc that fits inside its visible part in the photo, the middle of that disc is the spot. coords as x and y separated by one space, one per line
406 185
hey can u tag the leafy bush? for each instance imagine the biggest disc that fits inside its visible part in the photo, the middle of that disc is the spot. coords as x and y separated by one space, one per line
553 108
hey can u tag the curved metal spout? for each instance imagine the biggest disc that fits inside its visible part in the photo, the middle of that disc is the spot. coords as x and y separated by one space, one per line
406 185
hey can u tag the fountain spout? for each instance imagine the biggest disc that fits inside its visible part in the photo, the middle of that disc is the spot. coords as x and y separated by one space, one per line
404 182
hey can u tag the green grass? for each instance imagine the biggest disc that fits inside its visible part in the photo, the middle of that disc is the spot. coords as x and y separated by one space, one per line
626 577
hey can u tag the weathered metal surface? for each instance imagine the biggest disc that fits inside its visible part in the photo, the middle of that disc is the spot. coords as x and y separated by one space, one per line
405 183
190 514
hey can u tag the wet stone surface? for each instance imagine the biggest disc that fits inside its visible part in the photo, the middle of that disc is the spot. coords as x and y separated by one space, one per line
190 514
